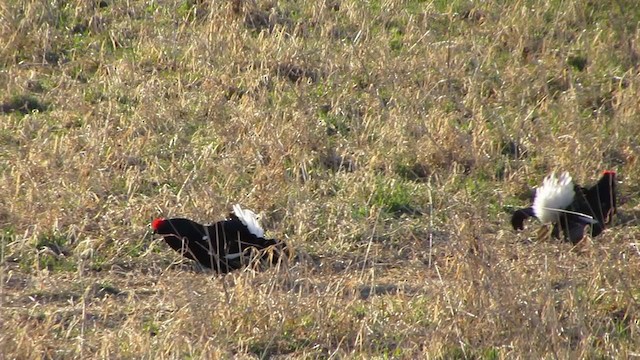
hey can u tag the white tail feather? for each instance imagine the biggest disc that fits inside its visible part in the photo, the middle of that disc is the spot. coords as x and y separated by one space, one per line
588 218
249 219
233 256
553 196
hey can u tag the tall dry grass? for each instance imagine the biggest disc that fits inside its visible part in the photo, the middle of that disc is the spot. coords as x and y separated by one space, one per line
386 141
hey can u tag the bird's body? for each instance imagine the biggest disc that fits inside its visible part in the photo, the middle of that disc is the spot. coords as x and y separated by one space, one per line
570 208
224 246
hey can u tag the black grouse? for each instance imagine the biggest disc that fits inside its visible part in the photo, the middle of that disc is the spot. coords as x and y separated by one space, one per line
224 246
570 208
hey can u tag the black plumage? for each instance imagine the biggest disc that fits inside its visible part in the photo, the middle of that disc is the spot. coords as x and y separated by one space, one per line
597 202
224 246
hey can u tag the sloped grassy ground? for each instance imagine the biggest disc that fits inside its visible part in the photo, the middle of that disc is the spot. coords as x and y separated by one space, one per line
386 141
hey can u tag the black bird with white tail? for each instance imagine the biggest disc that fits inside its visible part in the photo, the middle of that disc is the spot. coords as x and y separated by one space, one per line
224 246
570 208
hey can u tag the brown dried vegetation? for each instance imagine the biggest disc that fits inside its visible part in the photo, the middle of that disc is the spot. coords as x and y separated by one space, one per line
386 141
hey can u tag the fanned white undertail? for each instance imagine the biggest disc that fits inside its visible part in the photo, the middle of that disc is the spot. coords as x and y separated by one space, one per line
249 219
553 197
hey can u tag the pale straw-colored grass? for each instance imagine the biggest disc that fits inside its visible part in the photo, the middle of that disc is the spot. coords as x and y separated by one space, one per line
391 167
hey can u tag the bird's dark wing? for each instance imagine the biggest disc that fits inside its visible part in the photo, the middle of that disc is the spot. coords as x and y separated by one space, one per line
190 239
575 232
238 237
519 216
239 245
572 227
598 201
179 233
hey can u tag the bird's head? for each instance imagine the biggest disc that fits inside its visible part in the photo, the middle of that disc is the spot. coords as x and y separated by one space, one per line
176 226
158 224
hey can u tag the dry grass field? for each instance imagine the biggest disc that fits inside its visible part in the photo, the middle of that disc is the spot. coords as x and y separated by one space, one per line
387 141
